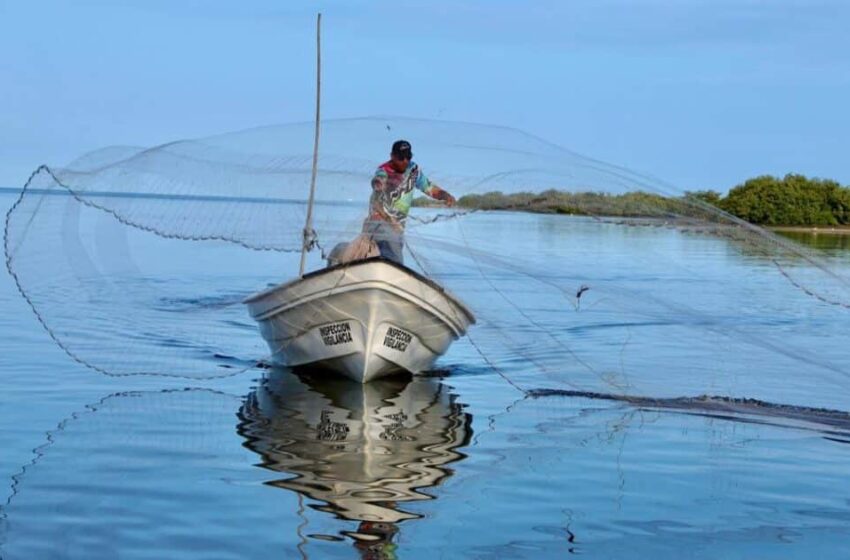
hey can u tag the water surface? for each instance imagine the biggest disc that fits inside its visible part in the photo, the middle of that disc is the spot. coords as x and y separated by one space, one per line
455 464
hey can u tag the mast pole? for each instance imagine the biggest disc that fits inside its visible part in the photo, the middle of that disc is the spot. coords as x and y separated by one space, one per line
308 236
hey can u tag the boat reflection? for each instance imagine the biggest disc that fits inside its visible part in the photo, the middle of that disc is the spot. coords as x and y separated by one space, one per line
362 450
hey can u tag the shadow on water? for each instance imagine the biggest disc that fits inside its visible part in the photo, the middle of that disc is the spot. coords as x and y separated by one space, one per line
833 425
362 451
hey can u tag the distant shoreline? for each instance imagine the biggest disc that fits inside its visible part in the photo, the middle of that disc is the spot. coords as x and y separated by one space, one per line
816 230
794 203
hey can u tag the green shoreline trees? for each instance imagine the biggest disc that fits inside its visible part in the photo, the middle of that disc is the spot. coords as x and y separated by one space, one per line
793 200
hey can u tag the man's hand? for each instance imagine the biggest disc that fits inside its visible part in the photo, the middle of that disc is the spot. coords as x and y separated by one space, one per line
379 184
449 200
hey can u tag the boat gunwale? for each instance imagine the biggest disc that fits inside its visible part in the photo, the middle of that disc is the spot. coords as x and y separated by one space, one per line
310 275
423 304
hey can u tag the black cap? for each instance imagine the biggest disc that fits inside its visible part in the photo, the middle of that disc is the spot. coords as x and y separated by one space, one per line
401 148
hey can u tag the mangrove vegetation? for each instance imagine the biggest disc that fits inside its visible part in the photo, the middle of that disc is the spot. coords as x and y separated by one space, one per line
793 200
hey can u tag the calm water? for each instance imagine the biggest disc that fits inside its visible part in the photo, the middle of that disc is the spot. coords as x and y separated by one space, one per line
457 464
826 242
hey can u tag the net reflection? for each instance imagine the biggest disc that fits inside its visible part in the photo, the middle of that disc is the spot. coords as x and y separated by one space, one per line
362 450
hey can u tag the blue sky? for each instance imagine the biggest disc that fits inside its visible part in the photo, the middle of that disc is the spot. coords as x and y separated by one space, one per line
700 93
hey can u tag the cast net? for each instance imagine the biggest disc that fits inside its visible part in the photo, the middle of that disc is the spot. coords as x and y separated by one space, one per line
583 276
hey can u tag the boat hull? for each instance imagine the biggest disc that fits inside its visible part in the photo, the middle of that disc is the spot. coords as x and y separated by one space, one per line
366 320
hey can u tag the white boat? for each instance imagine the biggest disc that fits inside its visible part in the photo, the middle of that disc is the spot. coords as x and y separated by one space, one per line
365 319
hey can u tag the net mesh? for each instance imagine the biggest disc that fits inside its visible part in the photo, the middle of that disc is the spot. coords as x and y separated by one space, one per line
622 294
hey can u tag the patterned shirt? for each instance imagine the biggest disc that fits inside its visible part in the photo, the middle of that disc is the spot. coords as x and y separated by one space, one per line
392 193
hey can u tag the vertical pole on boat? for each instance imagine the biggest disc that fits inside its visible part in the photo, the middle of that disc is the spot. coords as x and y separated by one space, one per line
309 235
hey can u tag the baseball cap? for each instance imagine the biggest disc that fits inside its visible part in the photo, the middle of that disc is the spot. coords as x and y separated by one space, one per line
402 149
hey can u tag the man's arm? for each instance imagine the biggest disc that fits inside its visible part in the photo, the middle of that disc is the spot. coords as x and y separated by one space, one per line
433 191
379 181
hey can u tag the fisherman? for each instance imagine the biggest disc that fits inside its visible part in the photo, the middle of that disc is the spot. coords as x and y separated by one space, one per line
392 195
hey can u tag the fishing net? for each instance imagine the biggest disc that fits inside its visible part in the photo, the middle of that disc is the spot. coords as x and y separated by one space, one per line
366 454
136 260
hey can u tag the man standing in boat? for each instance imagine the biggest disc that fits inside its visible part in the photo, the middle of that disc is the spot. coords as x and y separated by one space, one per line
392 195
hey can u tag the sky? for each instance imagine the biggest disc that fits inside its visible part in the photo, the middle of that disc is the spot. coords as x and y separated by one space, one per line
700 93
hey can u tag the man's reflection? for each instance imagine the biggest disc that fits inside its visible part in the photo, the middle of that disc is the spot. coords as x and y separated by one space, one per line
360 449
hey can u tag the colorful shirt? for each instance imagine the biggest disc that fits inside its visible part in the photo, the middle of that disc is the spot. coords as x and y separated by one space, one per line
392 193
